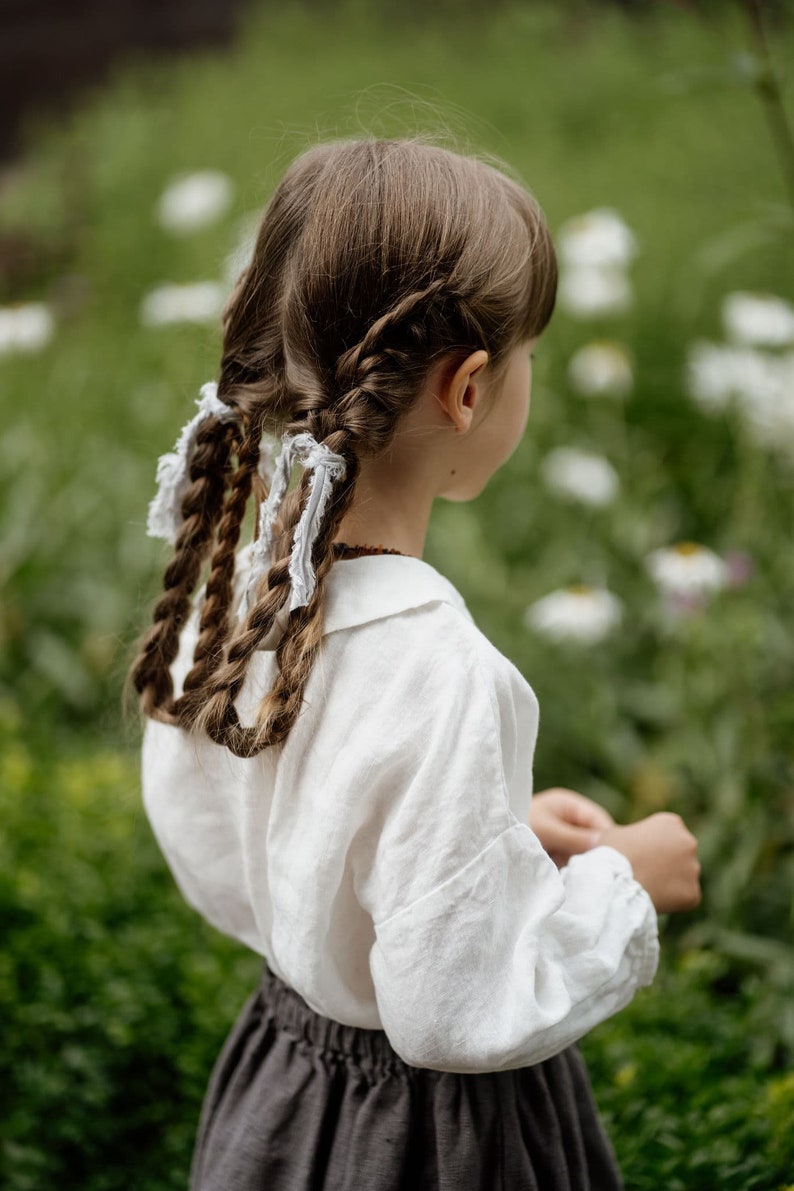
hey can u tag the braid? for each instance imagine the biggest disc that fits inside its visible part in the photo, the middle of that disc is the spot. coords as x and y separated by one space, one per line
214 621
201 508
366 371
359 366
301 639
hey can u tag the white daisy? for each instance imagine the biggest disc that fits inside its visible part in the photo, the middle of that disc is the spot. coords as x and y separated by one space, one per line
758 320
602 367
760 385
581 475
687 569
192 201
597 239
592 291
577 613
197 302
767 405
712 374
26 327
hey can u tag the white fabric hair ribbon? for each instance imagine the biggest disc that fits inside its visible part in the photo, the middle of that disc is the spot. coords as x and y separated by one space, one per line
268 446
173 470
326 466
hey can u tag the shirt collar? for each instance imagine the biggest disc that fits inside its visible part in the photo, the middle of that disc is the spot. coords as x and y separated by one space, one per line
367 588
359 590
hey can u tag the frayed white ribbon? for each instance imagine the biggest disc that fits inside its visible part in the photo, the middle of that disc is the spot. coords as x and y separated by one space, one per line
326 466
173 470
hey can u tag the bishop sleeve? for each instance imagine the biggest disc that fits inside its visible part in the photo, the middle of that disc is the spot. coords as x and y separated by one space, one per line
494 959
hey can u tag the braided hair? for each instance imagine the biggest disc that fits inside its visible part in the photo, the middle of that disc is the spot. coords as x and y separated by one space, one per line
374 259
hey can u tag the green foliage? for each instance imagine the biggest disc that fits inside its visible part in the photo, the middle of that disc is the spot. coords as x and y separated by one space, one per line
687 1091
115 997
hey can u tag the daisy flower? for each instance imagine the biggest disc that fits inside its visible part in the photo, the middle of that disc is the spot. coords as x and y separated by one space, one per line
687 573
193 201
580 475
26 327
602 367
758 320
196 302
576 613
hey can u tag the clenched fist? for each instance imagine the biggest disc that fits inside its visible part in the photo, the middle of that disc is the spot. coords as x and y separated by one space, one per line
663 855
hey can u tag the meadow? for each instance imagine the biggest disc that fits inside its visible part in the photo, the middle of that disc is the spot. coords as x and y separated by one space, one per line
633 557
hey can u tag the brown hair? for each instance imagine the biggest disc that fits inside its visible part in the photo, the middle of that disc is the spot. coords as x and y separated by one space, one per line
374 258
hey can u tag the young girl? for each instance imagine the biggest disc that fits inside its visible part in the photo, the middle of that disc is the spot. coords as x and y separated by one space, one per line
337 764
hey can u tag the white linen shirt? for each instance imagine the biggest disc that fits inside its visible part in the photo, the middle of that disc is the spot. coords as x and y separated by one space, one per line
381 860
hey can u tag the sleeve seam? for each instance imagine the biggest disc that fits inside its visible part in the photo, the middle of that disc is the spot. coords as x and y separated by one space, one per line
447 880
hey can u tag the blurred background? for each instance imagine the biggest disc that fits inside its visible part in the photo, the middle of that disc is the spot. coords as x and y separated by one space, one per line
633 558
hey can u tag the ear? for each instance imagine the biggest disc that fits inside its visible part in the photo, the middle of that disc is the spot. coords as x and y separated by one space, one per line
460 390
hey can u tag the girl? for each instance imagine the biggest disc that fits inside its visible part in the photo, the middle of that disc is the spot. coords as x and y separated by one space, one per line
337 764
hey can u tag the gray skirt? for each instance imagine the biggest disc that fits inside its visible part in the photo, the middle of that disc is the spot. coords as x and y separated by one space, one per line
297 1102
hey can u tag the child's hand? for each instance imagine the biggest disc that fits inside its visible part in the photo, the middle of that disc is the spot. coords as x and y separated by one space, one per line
663 854
566 822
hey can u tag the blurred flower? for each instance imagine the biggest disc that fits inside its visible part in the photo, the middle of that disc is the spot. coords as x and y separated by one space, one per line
687 570
759 320
715 373
767 405
192 201
760 384
26 327
198 302
581 475
595 251
589 292
598 239
241 254
601 367
576 613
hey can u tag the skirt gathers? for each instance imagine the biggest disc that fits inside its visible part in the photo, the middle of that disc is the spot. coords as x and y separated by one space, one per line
298 1102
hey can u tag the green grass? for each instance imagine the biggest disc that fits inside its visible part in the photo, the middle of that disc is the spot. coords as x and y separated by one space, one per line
115 996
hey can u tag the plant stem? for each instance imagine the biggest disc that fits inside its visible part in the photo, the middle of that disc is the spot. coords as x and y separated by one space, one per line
769 92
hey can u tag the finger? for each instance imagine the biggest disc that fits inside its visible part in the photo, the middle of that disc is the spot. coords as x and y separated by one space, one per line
559 836
583 812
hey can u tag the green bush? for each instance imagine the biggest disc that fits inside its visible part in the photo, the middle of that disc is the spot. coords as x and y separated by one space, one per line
115 997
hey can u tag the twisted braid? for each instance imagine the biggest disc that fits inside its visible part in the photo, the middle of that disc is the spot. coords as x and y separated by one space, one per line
355 365
303 633
214 622
368 413
395 345
201 507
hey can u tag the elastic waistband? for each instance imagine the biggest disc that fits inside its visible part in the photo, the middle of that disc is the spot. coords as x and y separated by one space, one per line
368 1049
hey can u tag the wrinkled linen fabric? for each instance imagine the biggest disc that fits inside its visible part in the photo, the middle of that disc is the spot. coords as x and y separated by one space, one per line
381 860
297 1102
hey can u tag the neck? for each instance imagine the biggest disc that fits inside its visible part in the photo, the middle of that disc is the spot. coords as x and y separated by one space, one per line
396 517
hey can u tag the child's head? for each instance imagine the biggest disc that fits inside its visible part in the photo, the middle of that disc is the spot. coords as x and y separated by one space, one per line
374 261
